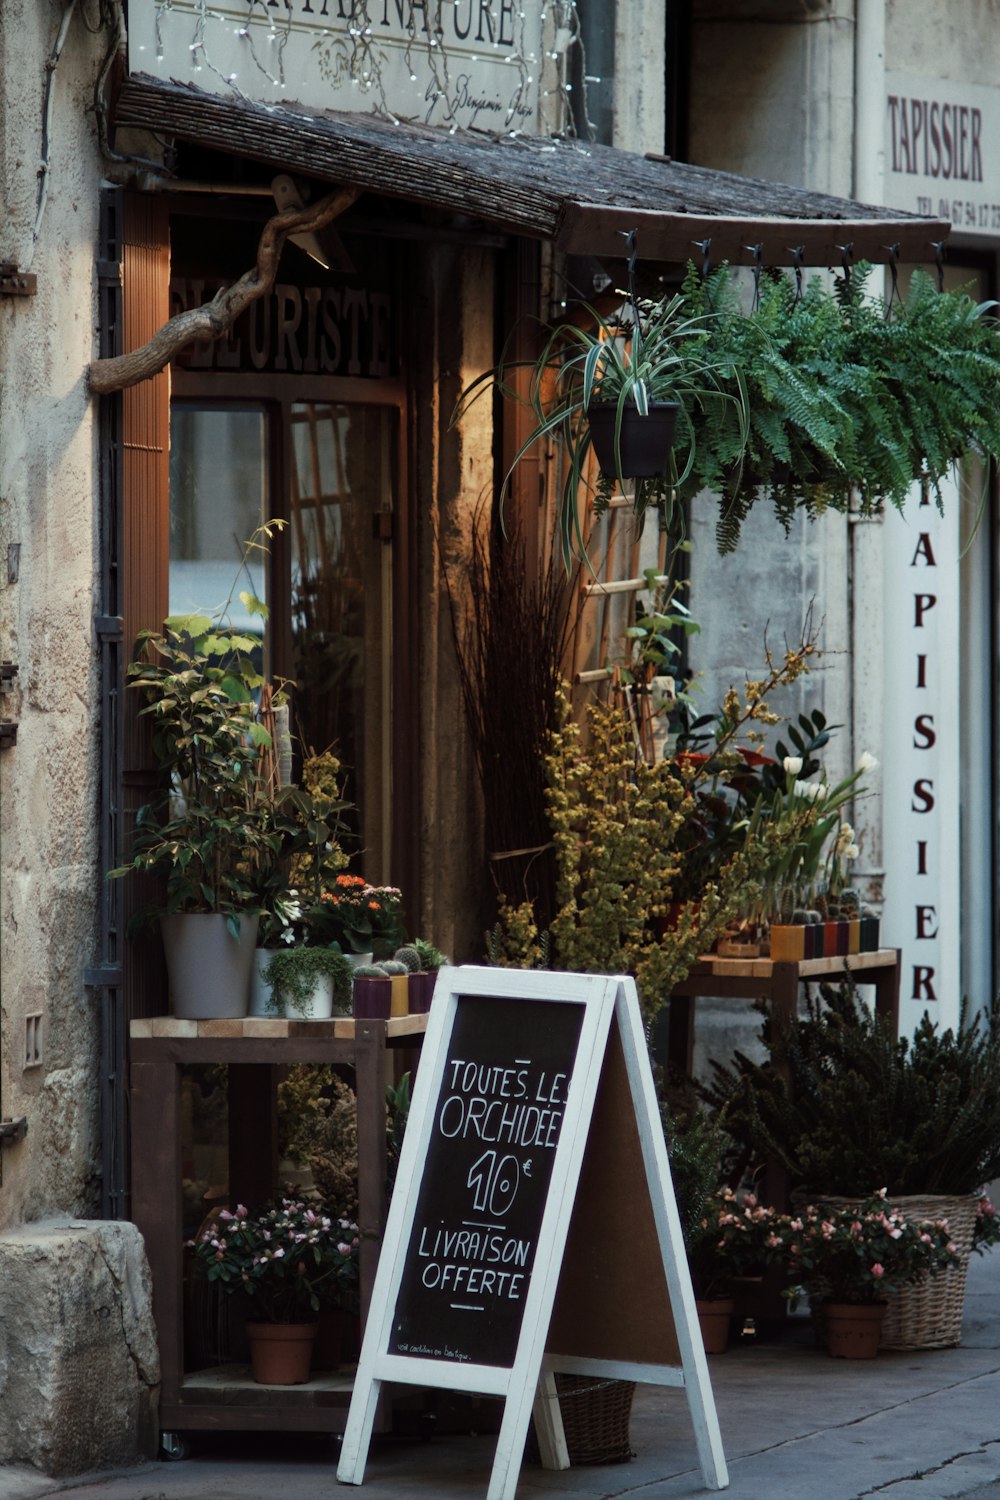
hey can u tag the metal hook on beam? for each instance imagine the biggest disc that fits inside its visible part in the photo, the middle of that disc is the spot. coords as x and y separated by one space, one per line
938 247
757 251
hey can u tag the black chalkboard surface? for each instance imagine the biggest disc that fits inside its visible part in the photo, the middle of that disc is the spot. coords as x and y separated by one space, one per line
492 1146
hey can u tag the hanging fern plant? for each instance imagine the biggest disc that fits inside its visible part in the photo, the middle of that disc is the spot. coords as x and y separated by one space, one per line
818 401
847 401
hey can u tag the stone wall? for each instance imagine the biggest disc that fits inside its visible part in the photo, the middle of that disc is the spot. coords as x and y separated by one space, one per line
48 498
78 1360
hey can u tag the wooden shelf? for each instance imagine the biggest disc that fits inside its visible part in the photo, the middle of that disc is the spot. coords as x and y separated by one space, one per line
254 1049
809 968
261 1028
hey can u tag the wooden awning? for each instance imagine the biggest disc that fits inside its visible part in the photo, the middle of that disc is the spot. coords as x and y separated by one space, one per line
582 196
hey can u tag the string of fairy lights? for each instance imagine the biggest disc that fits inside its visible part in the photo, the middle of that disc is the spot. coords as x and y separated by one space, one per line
452 53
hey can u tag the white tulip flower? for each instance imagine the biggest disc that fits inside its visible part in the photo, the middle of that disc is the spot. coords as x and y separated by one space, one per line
792 764
868 762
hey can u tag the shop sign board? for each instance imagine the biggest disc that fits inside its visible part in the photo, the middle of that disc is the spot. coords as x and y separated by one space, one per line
439 62
942 150
920 744
534 1123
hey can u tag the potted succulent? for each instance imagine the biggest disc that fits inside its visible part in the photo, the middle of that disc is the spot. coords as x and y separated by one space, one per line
291 1261
210 832
848 1257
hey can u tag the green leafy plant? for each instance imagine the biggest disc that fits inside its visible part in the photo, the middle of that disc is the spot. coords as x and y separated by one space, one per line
431 958
858 1254
850 402
293 972
620 830
211 830
841 1102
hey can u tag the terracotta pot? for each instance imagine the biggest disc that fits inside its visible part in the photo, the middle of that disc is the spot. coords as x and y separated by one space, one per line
281 1353
853 1332
714 1318
644 442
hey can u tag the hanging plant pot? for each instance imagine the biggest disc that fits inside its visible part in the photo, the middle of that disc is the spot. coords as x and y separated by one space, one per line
644 442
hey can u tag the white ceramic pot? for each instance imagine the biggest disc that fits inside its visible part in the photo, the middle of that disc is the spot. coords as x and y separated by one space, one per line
260 990
318 1004
357 960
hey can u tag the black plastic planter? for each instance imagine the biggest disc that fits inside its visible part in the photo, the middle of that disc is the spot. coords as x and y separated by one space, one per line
644 443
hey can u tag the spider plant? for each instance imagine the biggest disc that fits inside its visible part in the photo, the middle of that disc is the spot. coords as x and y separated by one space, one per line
645 354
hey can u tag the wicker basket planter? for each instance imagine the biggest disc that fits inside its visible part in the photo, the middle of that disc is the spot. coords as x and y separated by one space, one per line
928 1314
595 1418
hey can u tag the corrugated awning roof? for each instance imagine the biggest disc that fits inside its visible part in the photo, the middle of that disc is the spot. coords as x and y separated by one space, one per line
580 195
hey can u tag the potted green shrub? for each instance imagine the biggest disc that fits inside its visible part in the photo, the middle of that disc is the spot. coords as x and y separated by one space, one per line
841 1103
308 983
210 831
727 1236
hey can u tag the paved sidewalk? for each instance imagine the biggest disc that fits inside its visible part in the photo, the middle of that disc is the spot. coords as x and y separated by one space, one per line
796 1424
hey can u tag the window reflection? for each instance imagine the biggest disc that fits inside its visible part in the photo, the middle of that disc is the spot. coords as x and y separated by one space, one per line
218 499
343 462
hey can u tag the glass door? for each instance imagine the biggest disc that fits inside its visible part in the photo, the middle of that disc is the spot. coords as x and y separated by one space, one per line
330 469
219 495
342 498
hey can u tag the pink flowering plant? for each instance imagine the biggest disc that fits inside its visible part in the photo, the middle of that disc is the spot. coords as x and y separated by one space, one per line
732 1238
860 1253
986 1229
292 1261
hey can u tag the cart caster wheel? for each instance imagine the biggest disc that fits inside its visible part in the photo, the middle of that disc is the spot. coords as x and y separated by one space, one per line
174 1447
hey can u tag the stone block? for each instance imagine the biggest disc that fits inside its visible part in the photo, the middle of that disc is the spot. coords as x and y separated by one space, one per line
79 1365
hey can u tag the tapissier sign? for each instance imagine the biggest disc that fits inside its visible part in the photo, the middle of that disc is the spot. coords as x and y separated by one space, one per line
942 155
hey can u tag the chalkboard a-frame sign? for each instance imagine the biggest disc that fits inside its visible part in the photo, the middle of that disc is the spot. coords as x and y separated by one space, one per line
533 1228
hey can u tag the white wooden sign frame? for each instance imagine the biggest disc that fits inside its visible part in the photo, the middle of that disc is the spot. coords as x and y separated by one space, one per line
528 1386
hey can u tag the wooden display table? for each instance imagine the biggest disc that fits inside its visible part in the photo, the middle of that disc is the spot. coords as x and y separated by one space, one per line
225 1397
778 983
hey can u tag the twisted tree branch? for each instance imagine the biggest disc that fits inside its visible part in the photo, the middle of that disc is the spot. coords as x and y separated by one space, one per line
217 317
